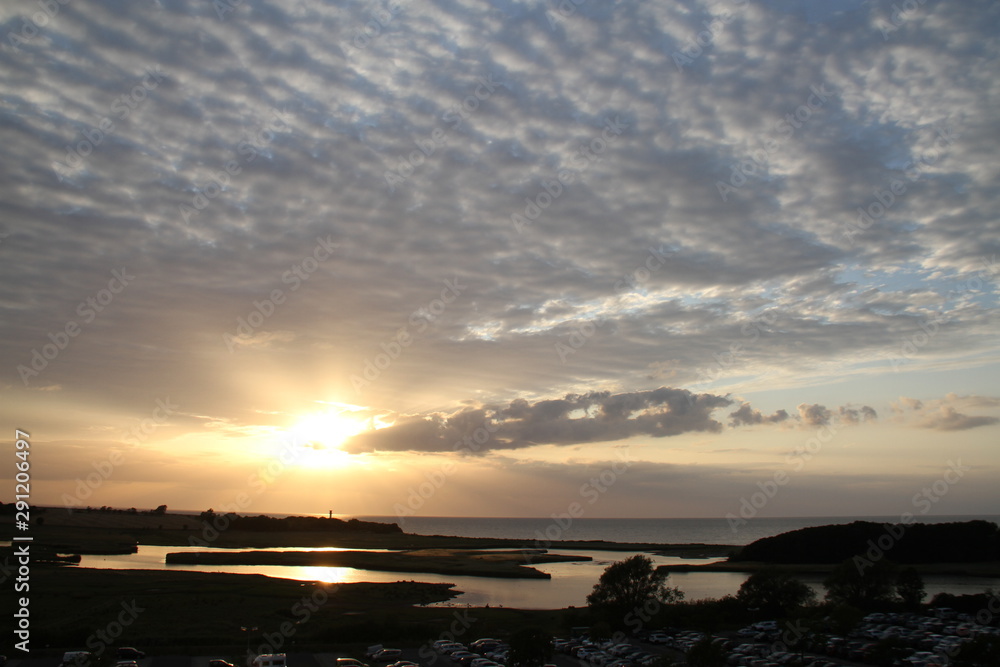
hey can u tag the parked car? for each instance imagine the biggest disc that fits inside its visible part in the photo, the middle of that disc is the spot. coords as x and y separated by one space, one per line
269 660
350 662
220 663
129 653
387 655
75 658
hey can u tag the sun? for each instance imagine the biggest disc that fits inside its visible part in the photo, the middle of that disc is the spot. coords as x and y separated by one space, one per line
324 434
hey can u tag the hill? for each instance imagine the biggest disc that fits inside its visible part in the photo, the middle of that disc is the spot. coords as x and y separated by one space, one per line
958 542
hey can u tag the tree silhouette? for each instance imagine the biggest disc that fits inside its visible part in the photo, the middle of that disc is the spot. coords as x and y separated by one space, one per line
861 587
774 592
628 585
910 587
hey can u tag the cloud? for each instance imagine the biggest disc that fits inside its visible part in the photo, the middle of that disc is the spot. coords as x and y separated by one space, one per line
747 416
814 415
947 418
944 414
573 419
636 271
853 415
348 114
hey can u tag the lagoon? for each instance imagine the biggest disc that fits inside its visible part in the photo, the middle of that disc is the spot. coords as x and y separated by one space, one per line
569 585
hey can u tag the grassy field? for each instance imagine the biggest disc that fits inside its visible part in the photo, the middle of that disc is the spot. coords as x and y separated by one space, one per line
199 613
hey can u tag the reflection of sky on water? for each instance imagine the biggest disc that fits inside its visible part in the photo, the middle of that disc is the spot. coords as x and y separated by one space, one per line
569 585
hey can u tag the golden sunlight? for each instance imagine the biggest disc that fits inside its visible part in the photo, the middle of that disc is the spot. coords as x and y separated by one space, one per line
324 433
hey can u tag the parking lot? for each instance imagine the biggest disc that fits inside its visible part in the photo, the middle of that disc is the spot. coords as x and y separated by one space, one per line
922 640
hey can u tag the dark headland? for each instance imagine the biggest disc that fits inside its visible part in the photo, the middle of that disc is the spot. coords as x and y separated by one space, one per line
969 548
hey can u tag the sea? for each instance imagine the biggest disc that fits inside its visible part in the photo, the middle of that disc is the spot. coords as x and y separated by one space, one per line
634 531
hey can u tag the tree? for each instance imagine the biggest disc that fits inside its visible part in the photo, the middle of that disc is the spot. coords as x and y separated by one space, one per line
843 618
983 651
861 587
162 509
628 586
706 654
910 587
889 651
774 592
529 647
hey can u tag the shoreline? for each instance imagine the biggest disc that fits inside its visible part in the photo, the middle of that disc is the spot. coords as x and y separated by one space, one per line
118 533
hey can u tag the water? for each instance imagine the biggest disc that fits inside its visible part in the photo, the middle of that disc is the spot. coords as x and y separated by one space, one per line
570 582
569 585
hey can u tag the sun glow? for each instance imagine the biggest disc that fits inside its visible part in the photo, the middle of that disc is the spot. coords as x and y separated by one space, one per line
323 434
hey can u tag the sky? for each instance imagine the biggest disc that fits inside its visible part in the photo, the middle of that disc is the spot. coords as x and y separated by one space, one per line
527 258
